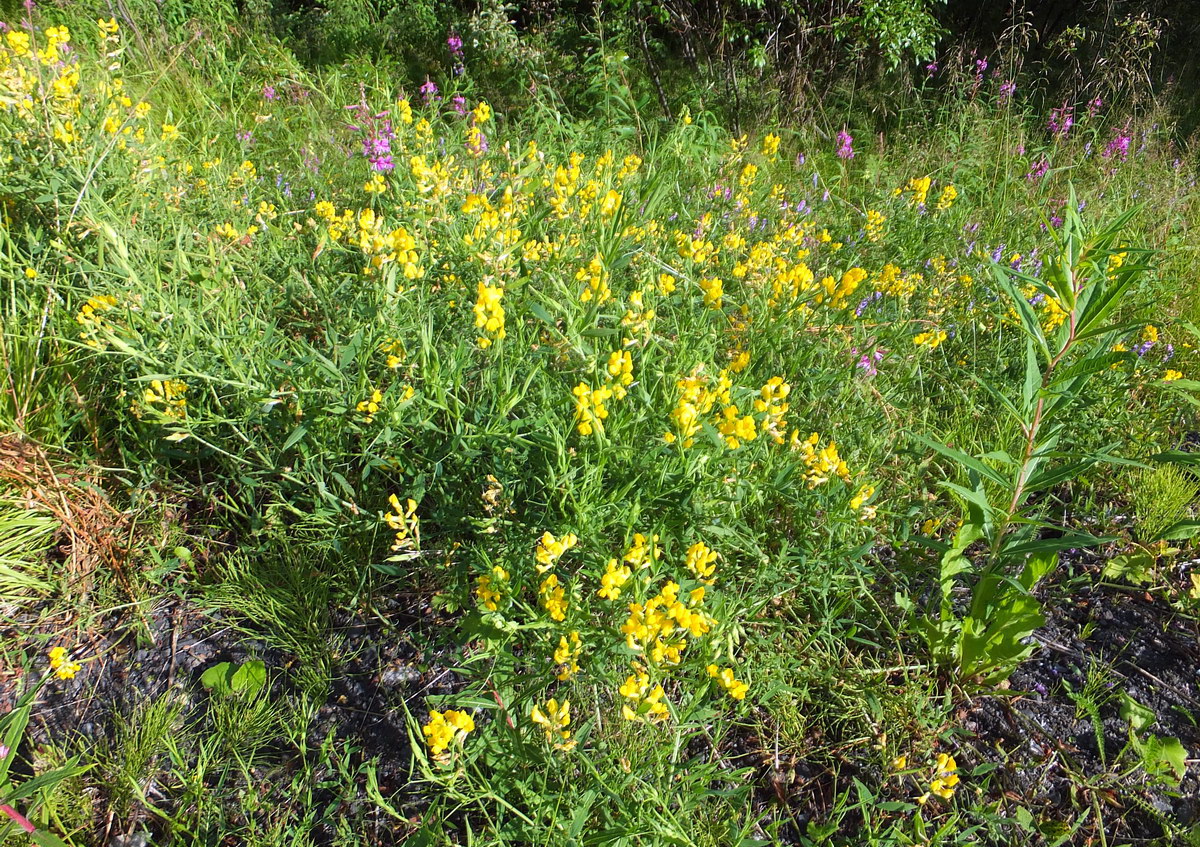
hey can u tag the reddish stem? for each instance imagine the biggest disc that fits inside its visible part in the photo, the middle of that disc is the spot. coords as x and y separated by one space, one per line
19 818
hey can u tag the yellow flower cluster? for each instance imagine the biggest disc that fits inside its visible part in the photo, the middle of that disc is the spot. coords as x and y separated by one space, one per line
836 292
554 721
91 318
590 410
875 225
772 403
367 409
403 521
489 313
932 339
554 598
696 399
446 728
167 397
659 628
945 779
770 145
946 198
490 588
551 549
919 188
646 703
823 463
725 678
566 655
702 563
595 282
63 667
858 503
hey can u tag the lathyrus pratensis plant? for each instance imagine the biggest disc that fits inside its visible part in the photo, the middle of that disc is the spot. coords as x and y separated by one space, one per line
1000 540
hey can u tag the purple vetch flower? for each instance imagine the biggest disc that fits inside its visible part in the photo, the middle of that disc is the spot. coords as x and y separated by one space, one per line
998 253
455 45
1094 107
269 93
1007 89
460 105
1143 348
245 136
931 68
429 91
825 196
866 302
1168 353
1056 221
800 159
845 145
1038 169
868 362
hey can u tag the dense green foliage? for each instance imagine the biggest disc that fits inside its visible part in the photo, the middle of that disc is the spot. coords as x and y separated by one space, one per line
708 477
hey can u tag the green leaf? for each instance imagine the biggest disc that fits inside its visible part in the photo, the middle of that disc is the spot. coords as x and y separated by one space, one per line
1133 567
963 459
1139 717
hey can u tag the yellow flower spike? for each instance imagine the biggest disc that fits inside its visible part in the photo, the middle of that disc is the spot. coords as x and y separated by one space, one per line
566 655
701 562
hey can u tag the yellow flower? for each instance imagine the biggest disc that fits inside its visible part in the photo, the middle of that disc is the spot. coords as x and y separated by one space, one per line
701 561
770 145
30 273
170 132
490 588
59 663
554 721
614 578
369 407
1171 375
376 184
551 549
445 728
647 704
567 654
482 113
725 678
874 225
947 198
489 313
945 777
1150 333
929 339
554 598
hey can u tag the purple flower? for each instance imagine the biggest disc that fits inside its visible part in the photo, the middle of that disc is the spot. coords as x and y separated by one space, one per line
1118 147
1143 348
845 145
866 301
454 43
1061 121
1007 89
997 253
1168 353
460 104
931 68
429 91
245 136
1094 107
269 93
1038 169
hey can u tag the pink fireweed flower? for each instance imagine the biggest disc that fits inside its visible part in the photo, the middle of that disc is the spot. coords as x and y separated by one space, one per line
1061 121
845 145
